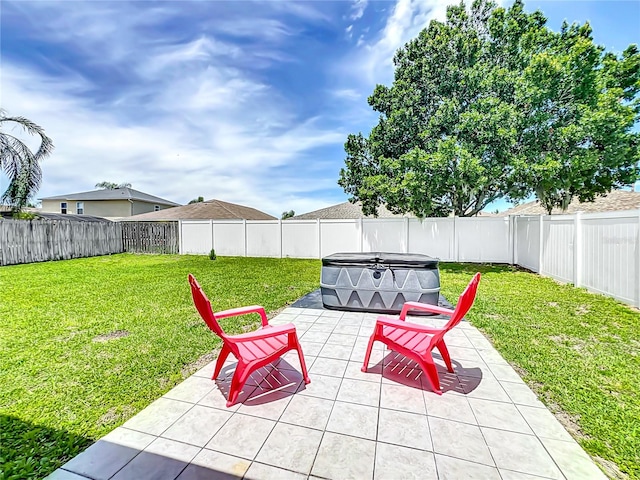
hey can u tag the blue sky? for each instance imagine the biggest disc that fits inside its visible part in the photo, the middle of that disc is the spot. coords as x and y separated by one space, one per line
247 102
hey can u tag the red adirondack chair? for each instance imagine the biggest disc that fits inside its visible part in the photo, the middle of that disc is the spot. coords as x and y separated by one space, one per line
254 349
417 341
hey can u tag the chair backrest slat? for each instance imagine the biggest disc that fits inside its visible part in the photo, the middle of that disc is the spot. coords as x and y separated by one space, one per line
204 307
462 307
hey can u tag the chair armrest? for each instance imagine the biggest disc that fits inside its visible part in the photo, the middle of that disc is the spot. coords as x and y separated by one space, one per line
243 311
424 307
412 327
267 332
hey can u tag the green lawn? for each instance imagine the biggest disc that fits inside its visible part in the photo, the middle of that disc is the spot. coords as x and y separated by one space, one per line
64 381
578 351
63 384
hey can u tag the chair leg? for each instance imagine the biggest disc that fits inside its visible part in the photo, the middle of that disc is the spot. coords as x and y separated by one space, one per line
237 383
442 348
432 374
365 365
305 374
224 353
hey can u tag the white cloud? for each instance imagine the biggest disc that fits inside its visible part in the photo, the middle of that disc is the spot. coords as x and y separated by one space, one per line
358 8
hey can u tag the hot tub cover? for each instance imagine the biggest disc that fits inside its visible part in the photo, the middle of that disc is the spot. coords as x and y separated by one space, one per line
387 259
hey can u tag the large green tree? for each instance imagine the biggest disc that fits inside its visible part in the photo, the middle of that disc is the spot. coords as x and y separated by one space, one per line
112 185
476 112
18 162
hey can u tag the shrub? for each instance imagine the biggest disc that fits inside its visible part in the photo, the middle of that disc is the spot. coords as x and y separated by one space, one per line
212 254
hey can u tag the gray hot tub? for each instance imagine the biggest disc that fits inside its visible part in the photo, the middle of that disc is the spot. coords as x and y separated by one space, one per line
378 282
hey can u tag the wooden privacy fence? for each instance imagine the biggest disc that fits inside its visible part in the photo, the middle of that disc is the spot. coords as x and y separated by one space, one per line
28 241
150 237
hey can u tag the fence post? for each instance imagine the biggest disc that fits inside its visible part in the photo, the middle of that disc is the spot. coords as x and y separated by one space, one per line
577 250
361 235
280 225
540 253
213 237
406 226
455 240
319 238
514 240
244 223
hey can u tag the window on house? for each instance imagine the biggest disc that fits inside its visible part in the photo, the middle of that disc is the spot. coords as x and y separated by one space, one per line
156 208
80 208
63 207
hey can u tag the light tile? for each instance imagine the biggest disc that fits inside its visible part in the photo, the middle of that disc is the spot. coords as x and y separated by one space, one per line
360 392
521 394
342 339
456 469
322 386
459 440
260 471
328 320
318 337
129 438
310 348
449 406
511 475
101 460
471 355
504 373
206 371
404 428
340 352
332 313
572 459
197 426
356 420
394 462
308 412
457 341
329 366
343 457
400 397
491 356
520 452
347 329
321 327
499 415
544 423
267 403
485 388
158 416
210 465
217 399
354 371
192 390
242 436
171 449
291 447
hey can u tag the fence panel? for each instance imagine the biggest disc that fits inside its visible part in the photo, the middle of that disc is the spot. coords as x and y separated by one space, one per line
229 238
263 238
340 236
300 239
433 237
527 241
483 239
150 237
196 237
384 235
558 247
610 255
28 241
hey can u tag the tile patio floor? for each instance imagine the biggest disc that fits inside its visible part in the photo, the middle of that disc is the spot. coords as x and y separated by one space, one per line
384 424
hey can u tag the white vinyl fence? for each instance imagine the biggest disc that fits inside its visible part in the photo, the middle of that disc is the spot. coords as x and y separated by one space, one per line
483 239
600 251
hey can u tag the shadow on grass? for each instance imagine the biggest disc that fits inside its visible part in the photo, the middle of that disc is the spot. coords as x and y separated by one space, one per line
33 451
472 268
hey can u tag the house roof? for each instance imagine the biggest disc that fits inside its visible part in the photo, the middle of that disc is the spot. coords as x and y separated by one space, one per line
113 194
346 210
207 210
615 200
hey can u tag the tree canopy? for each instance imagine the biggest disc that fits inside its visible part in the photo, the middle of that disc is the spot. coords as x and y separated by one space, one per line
492 104
288 214
19 163
196 200
112 185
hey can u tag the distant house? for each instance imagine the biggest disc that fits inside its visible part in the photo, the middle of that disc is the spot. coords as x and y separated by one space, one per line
110 203
346 210
207 210
615 200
